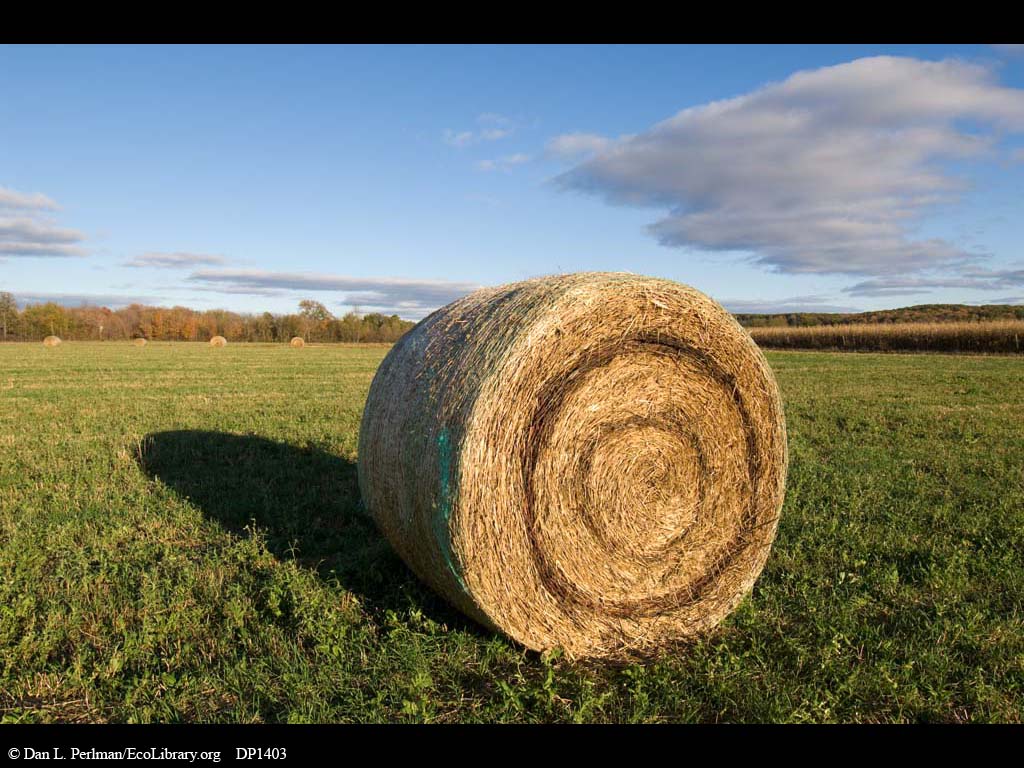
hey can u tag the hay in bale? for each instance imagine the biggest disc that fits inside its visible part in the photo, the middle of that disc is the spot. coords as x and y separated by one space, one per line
218 341
594 462
140 342
297 341
51 341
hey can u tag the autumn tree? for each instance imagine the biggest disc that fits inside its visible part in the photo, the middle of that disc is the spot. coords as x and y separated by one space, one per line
185 324
8 312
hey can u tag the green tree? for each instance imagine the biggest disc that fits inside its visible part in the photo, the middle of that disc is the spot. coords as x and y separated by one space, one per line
47 319
315 316
314 310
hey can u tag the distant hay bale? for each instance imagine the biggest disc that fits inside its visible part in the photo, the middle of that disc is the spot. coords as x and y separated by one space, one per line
595 462
218 341
297 341
51 341
140 342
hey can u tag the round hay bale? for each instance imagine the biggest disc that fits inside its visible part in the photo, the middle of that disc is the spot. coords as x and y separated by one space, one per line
51 341
218 341
595 462
297 341
140 342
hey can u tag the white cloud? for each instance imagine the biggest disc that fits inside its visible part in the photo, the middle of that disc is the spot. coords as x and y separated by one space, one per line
38 237
26 231
825 172
403 296
490 127
12 199
503 163
174 260
572 146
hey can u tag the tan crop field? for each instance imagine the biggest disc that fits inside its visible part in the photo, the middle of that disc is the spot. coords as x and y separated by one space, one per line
998 337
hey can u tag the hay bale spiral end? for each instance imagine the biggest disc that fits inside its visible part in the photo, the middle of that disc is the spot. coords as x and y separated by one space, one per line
594 461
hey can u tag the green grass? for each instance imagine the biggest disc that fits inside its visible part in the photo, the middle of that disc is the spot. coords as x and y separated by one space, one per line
180 539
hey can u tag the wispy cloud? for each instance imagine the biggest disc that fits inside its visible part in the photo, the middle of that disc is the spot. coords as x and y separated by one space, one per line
12 199
27 231
240 290
825 172
783 306
175 260
458 138
969 279
406 297
503 163
490 126
112 300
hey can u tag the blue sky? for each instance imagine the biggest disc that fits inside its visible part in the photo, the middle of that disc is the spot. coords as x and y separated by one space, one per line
395 179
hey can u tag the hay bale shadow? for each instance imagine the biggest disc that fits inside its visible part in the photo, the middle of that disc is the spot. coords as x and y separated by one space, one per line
306 503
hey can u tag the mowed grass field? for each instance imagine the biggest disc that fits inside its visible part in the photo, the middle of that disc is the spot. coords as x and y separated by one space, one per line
181 540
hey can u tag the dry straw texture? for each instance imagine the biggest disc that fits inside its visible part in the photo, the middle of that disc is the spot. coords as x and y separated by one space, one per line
998 336
594 462
218 341
51 341
139 342
297 342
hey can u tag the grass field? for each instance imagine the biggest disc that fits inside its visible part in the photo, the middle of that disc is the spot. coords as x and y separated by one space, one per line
180 539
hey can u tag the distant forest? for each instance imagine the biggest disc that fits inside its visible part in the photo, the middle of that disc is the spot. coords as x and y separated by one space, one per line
313 322
922 313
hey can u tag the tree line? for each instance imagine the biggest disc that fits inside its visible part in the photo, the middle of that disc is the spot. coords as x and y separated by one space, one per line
921 313
313 322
